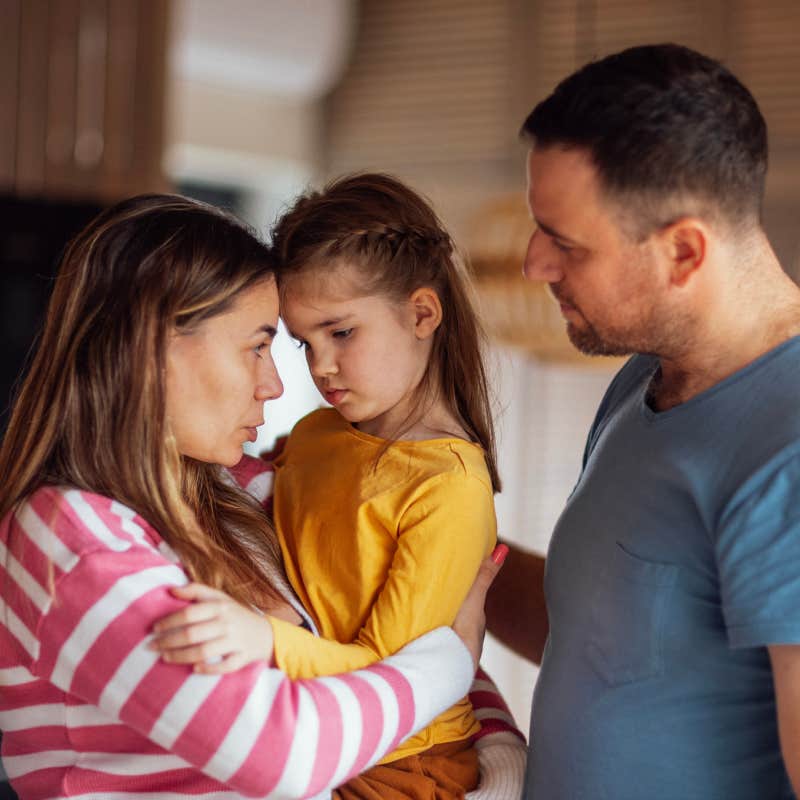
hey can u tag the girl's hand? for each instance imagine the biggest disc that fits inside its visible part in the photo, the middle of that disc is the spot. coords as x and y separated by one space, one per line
215 633
470 622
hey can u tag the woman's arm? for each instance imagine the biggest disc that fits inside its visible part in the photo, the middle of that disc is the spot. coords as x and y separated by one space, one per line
502 752
253 730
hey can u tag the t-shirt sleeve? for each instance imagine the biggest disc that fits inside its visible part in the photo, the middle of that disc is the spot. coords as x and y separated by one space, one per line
758 557
254 730
442 538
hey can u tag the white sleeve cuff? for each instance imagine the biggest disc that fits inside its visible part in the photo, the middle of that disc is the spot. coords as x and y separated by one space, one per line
502 770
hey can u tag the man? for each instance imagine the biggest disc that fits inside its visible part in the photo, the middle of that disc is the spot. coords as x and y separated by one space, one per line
672 667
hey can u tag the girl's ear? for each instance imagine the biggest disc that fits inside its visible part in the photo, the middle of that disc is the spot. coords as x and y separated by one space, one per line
427 309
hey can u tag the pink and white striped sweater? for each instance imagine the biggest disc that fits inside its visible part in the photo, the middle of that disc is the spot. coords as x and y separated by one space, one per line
87 710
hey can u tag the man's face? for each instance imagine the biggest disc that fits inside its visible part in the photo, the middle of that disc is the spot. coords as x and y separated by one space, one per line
609 287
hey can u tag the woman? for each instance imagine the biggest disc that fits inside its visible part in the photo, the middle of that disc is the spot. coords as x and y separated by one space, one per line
152 370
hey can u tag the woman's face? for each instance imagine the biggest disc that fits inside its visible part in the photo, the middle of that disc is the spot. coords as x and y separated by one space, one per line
219 375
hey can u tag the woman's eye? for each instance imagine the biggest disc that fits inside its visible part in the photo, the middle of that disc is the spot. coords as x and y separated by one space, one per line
343 334
259 349
564 248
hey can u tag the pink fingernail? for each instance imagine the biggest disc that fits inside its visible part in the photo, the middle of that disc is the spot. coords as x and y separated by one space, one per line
499 554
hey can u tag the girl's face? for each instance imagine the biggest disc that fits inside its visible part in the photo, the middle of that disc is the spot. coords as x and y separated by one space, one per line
220 374
367 354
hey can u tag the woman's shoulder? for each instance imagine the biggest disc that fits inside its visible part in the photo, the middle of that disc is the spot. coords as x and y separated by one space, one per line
79 521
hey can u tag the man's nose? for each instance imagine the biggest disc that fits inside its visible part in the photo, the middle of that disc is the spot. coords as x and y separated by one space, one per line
541 260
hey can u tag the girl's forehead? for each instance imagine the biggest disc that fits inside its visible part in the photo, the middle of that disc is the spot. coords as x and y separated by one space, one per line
335 281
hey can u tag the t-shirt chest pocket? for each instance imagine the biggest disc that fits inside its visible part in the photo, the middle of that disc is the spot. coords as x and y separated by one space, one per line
627 614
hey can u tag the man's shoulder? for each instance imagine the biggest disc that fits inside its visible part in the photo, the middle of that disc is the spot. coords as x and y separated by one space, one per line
636 371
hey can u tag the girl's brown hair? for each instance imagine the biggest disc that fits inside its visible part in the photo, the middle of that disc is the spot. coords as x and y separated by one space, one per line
394 238
91 412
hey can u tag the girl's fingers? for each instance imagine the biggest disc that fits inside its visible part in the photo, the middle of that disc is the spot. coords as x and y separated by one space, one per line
198 653
229 663
197 591
188 635
197 612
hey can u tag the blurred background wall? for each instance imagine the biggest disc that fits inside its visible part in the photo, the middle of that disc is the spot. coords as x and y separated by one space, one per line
244 103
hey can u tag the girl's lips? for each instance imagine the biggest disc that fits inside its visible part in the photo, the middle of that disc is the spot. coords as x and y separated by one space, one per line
334 396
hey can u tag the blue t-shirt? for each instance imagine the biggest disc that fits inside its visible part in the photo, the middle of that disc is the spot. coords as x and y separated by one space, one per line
675 561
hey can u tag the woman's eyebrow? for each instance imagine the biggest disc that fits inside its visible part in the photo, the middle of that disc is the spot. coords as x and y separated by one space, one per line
270 330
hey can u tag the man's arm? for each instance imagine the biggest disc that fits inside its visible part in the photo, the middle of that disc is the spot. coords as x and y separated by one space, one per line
516 613
786 675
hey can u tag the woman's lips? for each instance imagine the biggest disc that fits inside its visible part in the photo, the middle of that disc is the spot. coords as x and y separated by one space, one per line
252 434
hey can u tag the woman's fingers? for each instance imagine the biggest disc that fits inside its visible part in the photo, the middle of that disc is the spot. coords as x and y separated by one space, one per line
470 621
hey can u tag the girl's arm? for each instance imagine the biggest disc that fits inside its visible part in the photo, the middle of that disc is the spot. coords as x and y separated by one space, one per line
441 541
254 730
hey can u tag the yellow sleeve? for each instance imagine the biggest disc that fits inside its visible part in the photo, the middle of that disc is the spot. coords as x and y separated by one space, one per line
442 539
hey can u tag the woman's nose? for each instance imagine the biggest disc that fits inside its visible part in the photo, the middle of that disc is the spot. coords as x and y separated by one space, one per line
269 386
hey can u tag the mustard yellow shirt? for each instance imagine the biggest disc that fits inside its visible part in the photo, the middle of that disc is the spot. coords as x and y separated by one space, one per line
381 546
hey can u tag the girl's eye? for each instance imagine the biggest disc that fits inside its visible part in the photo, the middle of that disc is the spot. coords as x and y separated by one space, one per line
343 334
564 248
301 344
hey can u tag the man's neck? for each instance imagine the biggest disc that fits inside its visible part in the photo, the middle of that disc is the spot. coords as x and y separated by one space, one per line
744 325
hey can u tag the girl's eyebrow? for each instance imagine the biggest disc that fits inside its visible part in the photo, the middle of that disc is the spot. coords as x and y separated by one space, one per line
327 323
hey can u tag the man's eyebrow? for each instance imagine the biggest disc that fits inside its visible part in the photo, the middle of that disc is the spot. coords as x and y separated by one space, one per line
553 232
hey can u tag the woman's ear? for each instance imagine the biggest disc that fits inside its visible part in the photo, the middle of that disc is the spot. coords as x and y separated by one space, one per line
427 309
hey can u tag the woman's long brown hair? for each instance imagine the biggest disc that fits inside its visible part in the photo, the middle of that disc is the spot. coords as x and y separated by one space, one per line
394 238
91 412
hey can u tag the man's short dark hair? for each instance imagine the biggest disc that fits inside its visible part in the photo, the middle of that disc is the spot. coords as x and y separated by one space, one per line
662 124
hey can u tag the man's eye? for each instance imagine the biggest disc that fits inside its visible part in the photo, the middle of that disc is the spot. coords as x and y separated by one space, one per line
342 334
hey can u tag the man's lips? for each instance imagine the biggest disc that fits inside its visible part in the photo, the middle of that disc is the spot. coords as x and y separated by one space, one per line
564 305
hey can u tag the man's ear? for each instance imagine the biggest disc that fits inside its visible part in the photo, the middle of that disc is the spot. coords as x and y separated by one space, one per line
685 244
427 309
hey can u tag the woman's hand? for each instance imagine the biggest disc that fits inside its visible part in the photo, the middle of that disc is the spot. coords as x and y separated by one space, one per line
470 622
214 632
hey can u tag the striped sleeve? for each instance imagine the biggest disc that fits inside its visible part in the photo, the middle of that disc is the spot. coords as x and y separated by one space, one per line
502 752
254 730
491 711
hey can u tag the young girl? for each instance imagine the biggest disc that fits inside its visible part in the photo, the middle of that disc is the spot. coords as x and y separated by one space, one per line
383 503
400 474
